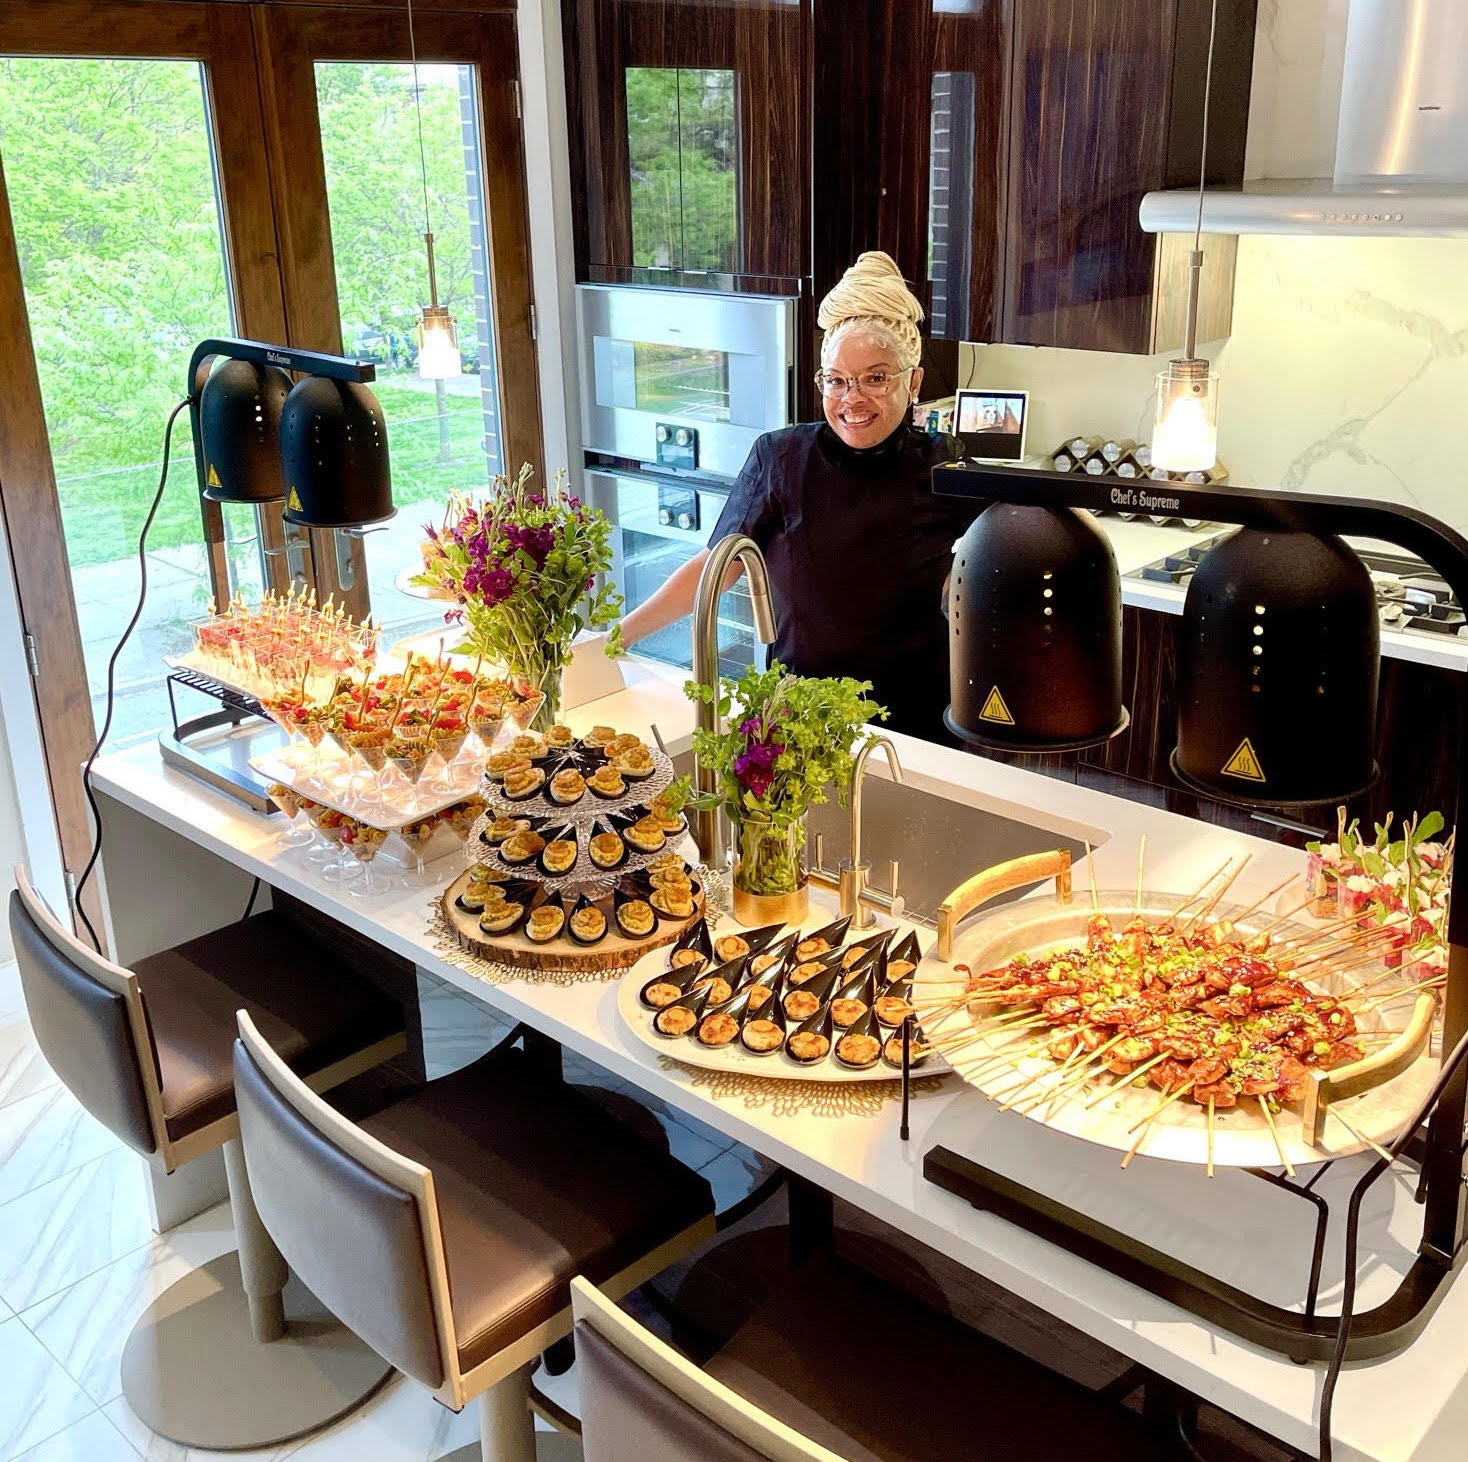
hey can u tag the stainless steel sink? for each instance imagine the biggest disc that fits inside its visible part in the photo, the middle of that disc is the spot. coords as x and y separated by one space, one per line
938 843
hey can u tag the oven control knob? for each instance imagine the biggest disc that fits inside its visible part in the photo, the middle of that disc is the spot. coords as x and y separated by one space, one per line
665 517
682 437
662 433
685 520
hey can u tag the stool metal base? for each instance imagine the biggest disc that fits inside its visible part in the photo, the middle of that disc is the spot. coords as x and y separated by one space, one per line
194 1373
549 1447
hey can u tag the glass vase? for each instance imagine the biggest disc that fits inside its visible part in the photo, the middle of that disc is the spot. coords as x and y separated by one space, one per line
770 884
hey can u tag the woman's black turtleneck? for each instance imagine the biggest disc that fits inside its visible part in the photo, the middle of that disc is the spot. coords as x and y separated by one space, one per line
858 548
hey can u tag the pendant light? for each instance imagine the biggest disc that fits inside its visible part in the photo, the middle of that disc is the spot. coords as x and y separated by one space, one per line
1185 430
438 332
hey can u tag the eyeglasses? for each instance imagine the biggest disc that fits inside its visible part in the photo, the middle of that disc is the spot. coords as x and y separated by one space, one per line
872 384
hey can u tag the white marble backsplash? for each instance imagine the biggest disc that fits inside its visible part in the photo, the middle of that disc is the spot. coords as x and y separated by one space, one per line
1346 372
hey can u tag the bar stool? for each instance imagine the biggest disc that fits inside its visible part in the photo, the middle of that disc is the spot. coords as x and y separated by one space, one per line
446 1229
235 1354
838 1367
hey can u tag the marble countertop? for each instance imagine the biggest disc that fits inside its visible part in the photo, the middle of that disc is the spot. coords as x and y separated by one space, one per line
1414 1405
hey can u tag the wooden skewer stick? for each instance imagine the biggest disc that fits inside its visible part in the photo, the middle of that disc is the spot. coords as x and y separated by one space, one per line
1381 979
1284 1162
1210 1137
1147 1122
1166 1101
1127 1080
984 1061
1091 871
1321 932
1264 898
1283 918
1077 1052
1360 1137
1391 995
1083 1074
1194 897
1213 903
1141 858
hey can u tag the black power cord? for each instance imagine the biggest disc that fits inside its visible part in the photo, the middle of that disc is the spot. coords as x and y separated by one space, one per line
132 624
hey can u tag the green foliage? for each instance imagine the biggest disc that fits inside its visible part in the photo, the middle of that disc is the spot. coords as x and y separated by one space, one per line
109 169
682 141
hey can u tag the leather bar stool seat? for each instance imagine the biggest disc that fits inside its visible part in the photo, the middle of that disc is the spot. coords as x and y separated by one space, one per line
837 1367
536 1184
446 1230
308 1002
235 1354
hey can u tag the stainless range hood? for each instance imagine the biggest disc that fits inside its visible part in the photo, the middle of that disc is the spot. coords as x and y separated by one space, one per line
1401 164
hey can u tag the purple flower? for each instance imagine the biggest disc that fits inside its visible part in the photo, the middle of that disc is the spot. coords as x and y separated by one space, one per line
753 728
755 768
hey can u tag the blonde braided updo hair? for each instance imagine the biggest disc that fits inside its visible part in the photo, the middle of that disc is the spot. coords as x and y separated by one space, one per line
871 298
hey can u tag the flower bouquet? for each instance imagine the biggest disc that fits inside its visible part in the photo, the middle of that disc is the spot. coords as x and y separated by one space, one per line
790 739
527 572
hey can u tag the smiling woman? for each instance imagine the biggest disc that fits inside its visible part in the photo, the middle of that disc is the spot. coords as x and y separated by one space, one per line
858 546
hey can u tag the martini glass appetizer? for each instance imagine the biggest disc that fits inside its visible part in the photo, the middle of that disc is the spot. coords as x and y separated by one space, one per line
448 735
333 827
486 716
363 842
409 751
300 832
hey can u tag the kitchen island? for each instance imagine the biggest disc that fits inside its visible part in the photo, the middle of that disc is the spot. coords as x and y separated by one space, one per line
179 859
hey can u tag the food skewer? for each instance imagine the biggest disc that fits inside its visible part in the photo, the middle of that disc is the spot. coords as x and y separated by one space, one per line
1122 1082
1285 1163
1141 856
1210 1137
1264 898
1146 1123
1202 887
1213 903
1360 1137
1091 871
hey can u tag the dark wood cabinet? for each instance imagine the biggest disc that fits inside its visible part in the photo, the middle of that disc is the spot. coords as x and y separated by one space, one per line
1105 104
997 149
689 140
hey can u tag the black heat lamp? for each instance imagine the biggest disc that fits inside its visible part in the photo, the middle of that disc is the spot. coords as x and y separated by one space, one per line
333 448
1306 733
1278 672
1034 632
239 425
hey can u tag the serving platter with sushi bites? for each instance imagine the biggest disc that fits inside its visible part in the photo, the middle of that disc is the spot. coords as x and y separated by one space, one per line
751 1004
520 918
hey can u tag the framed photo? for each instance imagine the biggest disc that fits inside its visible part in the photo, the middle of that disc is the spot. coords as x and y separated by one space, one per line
992 424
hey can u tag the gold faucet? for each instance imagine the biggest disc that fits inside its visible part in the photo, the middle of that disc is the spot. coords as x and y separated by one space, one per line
725 559
853 872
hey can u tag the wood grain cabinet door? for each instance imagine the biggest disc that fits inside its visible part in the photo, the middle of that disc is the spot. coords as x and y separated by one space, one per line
1105 104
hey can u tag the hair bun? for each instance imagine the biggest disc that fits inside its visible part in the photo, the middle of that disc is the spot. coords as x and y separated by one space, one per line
873 289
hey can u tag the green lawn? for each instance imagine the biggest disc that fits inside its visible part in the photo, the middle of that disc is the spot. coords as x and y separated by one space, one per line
104 511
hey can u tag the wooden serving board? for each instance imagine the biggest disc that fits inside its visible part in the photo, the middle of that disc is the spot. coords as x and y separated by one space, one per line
613 954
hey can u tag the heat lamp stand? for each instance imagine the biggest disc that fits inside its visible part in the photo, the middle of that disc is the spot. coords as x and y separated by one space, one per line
1303 1337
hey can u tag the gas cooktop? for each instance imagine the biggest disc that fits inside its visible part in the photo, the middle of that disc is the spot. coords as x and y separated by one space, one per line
1410 596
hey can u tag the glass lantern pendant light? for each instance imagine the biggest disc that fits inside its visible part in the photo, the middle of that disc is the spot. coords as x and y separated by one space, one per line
1185 431
438 333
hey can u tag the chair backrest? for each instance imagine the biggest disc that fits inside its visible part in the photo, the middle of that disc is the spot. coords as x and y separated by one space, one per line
640 1398
355 1220
89 1021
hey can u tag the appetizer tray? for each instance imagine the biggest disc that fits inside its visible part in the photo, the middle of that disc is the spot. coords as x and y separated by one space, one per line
853 968
339 784
585 871
615 951
589 806
1007 1066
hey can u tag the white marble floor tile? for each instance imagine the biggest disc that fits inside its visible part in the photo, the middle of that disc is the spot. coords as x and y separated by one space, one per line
401 1423
86 1325
12 1002
22 1068
37 1398
92 1439
45 1135
735 1174
71 1227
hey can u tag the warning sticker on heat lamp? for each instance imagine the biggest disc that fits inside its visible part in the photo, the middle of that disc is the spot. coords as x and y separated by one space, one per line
996 710
293 502
213 479
1244 763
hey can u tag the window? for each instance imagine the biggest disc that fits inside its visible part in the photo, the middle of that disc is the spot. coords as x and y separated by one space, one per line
444 435
682 146
110 170
950 202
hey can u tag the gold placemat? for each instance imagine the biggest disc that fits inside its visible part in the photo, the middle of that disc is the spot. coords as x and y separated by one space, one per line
800 1098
